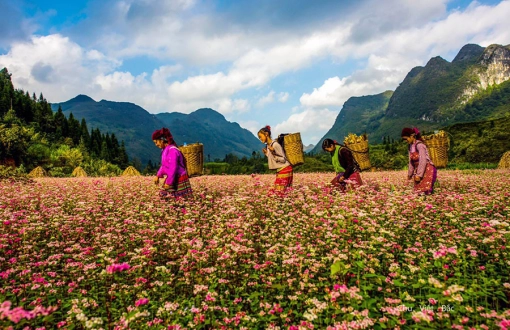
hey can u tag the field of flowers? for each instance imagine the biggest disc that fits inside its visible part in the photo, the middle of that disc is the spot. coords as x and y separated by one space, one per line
109 253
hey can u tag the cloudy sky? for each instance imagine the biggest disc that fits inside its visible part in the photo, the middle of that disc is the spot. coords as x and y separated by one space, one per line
287 63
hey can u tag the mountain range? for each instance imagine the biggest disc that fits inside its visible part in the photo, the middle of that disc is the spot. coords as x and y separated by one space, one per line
474 86
134 125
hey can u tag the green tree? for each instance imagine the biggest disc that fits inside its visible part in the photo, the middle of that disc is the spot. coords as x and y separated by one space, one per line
14 137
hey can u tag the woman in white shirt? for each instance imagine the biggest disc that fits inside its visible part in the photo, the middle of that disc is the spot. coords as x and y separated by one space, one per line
276 160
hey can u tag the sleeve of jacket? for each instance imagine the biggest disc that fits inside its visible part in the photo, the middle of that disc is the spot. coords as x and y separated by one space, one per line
171 163
347 161
410 167
422 164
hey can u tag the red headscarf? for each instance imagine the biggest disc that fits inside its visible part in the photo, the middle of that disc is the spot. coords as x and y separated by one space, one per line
163 134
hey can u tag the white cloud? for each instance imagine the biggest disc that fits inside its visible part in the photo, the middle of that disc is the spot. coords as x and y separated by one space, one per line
56 66
392 55
241 105
283 97
161 75
377 77
269 98
387 38
310 123
61 69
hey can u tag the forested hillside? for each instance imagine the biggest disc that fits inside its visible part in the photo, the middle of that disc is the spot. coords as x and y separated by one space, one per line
31 135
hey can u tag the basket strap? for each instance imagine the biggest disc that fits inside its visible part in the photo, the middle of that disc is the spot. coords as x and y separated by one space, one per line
284 155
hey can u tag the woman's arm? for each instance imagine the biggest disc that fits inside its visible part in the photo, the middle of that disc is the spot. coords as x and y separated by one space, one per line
347 161
170 163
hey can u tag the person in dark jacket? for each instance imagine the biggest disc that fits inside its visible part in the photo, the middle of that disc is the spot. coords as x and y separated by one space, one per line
346 168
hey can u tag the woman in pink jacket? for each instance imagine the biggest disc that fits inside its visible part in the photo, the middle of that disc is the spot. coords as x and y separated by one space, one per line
421 169
173 166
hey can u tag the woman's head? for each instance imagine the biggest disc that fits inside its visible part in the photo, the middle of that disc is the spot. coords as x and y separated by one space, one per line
162 137
410 134
329 145
264 134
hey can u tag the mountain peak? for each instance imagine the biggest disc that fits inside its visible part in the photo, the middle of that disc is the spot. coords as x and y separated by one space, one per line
469 52
80 99
495 53
208 113
436 61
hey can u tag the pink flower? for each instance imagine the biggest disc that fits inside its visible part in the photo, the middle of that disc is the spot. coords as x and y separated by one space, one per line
116 268
142 301
432 301
505 324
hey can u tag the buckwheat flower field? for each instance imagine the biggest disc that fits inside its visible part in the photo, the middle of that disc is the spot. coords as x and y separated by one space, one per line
109 253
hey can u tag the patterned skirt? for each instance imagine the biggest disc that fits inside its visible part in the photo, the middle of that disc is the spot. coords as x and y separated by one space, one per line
426 185
354 177
183 188
284 178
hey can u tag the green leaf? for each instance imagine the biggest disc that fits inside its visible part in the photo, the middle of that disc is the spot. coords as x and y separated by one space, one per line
337 267
397 283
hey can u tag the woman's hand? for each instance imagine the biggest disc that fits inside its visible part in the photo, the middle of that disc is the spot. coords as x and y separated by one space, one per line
156 181
341 179
417 179
166 187
264 150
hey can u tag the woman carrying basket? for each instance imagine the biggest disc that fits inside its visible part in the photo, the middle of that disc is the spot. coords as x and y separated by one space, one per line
276 160
421 169
173 166
346 168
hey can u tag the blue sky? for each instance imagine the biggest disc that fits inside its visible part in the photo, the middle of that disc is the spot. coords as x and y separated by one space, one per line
289 63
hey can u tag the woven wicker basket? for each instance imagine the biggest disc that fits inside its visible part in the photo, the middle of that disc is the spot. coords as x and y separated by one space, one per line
194 155
294 149
438 145
360 152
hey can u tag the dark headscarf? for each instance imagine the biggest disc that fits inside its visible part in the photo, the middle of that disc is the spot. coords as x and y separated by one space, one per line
163 134
407 132
328 143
